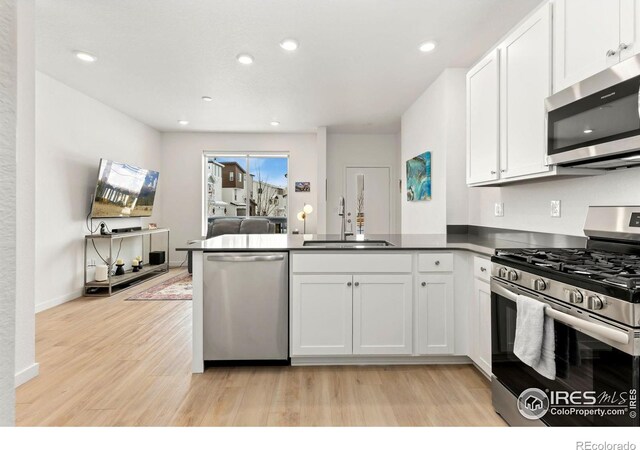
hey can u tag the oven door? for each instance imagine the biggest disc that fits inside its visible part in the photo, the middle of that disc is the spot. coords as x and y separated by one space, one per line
588 130
584 364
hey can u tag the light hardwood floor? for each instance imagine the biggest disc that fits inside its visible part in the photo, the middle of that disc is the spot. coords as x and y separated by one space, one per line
111 362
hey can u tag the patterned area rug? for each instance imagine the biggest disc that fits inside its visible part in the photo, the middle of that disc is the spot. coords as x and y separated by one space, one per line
176 288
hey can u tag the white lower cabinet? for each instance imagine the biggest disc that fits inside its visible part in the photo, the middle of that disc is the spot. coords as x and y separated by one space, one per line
321 311
435 314
480 316
382 314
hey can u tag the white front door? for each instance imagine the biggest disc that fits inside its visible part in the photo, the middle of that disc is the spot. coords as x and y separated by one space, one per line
368 200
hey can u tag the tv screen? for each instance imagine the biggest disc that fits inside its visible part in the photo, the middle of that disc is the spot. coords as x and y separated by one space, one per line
124 190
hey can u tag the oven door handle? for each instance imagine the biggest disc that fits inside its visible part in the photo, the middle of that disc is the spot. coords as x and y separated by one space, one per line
581 324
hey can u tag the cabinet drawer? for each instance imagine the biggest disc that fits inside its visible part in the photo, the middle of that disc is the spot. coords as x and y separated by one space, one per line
435 262
347 262
481 268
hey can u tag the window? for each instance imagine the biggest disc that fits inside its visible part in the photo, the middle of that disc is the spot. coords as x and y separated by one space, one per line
260 188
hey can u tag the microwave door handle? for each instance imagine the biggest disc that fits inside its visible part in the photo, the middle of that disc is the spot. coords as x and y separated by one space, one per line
593 328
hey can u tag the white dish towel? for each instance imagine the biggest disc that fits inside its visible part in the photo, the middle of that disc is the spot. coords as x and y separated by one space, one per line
535 338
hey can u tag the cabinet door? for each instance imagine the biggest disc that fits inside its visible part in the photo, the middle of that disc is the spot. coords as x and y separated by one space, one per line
481 326
483 93
435 315
321 309
587 37
629 28
382 314
525 81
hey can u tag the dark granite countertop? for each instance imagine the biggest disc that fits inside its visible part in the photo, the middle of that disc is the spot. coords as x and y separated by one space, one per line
485 243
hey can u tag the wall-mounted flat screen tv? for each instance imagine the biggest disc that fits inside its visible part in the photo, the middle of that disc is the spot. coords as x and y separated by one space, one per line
124 190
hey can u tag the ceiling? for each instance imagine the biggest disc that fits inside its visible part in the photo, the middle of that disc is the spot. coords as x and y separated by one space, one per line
357 69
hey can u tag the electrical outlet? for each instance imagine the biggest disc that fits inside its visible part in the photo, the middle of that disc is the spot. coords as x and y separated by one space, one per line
555 208
499 209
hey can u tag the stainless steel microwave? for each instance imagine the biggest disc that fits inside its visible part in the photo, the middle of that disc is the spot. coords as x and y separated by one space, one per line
596 123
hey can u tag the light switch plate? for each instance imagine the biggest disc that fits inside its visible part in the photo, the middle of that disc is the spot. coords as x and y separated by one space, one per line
555 208
499 209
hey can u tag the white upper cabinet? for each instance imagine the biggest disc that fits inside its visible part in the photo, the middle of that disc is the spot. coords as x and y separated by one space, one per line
525 81
483 93
591 35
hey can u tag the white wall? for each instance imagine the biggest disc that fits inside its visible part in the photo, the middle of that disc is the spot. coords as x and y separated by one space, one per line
436 123
8 102
73 131
527 206
181 176
364 150
26 366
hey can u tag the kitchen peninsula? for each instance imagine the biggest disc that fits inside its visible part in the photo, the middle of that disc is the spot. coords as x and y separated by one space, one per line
374 299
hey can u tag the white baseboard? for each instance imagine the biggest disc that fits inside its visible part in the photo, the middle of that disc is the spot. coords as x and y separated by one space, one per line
58 301
26 374
174 264
376 360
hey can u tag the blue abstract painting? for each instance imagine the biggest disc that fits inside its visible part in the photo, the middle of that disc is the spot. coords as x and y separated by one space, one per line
419 178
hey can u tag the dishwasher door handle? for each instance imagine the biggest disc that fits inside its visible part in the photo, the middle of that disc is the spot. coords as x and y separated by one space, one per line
240 258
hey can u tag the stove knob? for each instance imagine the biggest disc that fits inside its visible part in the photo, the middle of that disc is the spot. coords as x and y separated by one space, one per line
539 284
502 272
575 296
594 302
513 275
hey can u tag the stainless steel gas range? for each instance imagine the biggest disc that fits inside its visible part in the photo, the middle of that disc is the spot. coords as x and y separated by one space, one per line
593 296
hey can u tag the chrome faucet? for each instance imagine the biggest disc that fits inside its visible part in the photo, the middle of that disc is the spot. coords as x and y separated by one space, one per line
343 225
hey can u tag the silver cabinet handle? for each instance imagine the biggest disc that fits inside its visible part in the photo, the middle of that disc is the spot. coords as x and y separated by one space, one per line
356 284
493 172
503 170
423 284
611 52
240 258
349 283
437 263
483 269
623 46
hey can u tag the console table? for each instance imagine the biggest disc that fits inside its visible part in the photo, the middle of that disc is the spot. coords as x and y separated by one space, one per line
106 288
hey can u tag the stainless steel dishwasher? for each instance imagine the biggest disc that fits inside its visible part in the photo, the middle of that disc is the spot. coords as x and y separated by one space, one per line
246 307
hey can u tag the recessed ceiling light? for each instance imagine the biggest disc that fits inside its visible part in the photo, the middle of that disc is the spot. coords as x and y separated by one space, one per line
85 57
183 122
289 44
588 131
275 123
427 47
207 98
244 58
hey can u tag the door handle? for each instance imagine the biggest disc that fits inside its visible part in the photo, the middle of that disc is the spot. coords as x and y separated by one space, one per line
623 46
240 258
356 284
349 283
611 52
567 319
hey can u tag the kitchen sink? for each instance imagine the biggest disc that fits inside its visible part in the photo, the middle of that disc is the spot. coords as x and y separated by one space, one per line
347 244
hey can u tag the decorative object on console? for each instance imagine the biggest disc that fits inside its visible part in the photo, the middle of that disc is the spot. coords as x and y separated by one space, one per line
303 186
135 266
119 267
126 230
419 178
302 216
102 272
156 257
153 226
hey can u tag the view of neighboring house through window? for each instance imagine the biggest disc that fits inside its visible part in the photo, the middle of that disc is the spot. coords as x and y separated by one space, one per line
248 186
